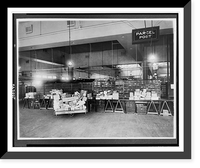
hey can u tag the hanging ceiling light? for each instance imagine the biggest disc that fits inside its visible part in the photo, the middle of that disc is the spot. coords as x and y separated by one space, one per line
152 58
70 63
70 59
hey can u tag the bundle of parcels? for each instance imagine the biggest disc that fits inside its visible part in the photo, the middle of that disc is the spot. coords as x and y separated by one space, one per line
76 102
30 95
107 94
143 95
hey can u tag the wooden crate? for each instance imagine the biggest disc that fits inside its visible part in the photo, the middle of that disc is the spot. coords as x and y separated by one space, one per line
130 107
141 109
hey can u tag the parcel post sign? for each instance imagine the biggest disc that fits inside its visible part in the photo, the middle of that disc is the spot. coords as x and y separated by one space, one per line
145 35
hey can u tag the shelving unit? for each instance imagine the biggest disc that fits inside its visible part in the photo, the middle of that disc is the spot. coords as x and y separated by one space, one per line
68 87
124 87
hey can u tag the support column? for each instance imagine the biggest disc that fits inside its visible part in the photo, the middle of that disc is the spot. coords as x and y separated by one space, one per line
70 73
171 59
145 65
171 53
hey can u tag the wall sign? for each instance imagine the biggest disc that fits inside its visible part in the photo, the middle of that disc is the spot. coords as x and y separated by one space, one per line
145 35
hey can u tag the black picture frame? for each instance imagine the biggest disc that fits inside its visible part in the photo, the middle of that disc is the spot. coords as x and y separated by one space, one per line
186 154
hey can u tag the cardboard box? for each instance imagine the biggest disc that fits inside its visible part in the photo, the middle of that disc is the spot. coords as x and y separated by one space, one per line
165 113
115 95
130 107
131 94
154 98
30 95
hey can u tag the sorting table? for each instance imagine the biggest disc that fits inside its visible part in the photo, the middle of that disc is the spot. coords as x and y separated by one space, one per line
28 102
120 105
153 106
166 103
113 105
46 103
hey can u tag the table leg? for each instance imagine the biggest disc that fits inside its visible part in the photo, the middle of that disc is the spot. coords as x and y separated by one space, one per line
116 109
95 106
162 108
124 106
159 107
24 103
107 108
152 103
168 107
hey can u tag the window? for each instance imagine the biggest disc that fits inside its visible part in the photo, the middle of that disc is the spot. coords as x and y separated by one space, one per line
29 29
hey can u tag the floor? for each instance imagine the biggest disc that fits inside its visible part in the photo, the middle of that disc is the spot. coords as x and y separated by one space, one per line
35 123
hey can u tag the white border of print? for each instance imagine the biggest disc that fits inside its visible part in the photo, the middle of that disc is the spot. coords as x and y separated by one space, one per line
96 10
118 20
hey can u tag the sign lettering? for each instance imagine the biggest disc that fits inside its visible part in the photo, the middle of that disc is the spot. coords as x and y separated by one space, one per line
145 35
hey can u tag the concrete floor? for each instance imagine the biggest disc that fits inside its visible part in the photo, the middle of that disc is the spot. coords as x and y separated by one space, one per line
36 123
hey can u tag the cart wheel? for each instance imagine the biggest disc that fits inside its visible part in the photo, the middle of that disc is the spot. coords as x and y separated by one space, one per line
71 115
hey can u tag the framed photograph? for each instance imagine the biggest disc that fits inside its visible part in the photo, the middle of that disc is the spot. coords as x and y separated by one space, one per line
99 83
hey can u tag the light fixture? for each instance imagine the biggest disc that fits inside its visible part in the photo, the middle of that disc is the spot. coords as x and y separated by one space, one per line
70 63
152 58
64 78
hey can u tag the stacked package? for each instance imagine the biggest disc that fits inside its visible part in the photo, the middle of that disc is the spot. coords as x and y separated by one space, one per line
30 95
105 95
154 96
131 97
63 103
137 94
155 88
115 95
148 96
144 95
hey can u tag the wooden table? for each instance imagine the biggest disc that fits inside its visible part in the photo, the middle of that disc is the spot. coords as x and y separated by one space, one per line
153 106
114 105
46 103
28 102
109 107
166 105
157 106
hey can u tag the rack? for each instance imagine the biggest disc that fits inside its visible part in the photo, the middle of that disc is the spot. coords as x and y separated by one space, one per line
124 87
